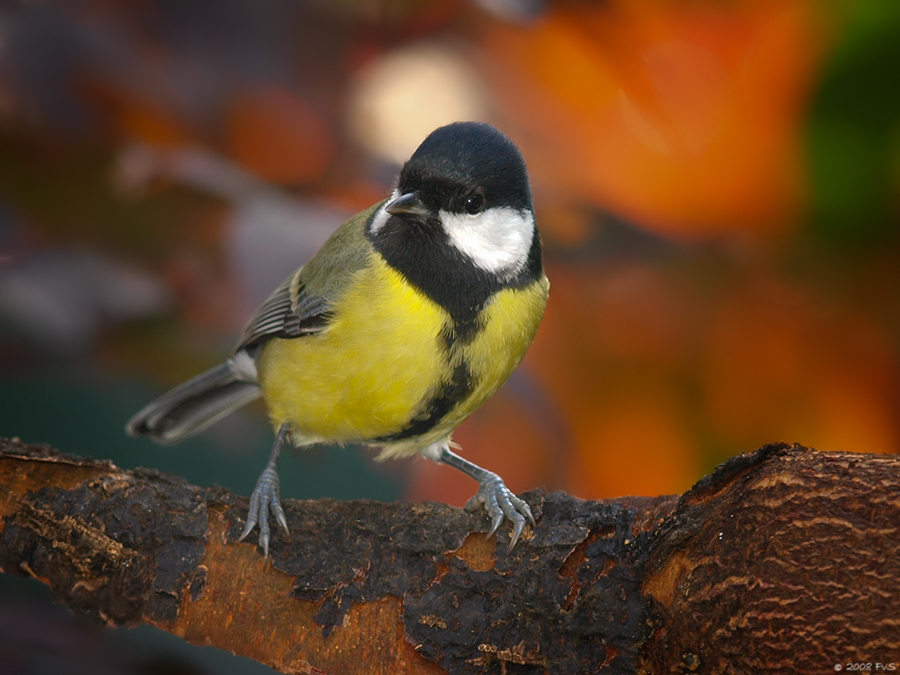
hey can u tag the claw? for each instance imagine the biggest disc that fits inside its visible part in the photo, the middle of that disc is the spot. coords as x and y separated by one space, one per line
501 504
248 528
517 531
264 530
279 516
496 522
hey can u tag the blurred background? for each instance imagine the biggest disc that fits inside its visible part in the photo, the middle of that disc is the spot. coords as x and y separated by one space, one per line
717 187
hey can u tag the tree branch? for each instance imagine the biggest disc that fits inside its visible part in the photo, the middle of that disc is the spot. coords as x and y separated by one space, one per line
783 560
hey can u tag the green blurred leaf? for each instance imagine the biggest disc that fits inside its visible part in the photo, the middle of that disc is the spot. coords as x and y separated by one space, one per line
853 130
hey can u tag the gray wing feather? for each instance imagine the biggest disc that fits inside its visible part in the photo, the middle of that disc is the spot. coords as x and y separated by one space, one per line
290 312
302 304
269 318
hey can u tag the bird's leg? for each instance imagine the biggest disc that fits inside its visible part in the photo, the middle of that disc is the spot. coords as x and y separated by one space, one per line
266 496
493 495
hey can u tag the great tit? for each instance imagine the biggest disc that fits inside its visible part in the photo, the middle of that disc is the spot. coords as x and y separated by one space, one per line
411 315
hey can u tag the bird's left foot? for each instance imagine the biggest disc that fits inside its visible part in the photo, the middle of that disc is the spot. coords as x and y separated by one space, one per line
501 503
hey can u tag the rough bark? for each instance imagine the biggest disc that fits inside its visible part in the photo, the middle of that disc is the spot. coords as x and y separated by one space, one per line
785 560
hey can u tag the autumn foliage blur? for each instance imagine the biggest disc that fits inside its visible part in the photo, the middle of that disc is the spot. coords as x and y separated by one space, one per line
717 188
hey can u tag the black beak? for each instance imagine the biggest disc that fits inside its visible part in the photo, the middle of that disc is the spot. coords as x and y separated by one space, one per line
408 205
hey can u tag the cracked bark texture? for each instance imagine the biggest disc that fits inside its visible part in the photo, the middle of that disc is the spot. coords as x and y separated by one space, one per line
785 560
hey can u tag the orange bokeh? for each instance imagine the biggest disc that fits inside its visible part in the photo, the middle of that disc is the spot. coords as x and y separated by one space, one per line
679 115
638 444
780 366
275 134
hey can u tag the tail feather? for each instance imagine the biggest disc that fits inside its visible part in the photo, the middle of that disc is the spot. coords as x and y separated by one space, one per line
194 405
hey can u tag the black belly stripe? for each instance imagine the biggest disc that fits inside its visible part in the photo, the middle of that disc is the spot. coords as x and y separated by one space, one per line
456 389
422 253
459 332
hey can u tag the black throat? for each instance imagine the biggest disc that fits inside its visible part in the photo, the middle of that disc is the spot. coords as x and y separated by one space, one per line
423 254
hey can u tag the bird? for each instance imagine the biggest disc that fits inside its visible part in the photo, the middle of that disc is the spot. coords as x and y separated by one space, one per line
411 315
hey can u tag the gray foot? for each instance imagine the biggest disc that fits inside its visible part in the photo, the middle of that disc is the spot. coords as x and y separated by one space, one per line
500 503
265 498
493 496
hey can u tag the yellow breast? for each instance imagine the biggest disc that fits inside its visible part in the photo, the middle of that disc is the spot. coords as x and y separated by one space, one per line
382 358
509 323
366 374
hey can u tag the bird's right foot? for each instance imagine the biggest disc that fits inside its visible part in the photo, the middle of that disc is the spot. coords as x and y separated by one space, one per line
266 498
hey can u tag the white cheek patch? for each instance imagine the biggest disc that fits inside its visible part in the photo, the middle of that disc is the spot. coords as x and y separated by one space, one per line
497 240
381 216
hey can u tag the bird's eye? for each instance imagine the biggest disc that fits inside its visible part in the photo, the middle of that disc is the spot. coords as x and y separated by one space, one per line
475 203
